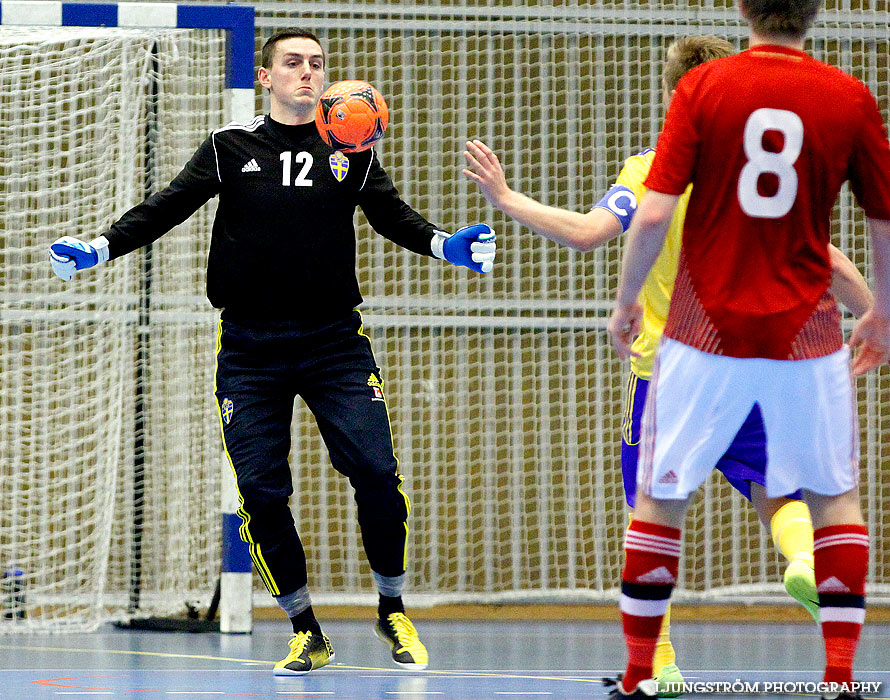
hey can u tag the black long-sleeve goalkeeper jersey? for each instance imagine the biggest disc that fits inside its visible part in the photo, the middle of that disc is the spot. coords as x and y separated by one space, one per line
283 241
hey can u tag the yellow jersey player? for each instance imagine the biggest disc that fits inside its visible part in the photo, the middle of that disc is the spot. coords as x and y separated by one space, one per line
744 463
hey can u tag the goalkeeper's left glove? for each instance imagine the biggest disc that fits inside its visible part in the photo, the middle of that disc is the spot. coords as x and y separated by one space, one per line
69 254
471 246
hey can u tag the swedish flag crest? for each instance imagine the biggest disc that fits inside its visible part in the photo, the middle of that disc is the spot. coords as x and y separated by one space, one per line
339 165
227 409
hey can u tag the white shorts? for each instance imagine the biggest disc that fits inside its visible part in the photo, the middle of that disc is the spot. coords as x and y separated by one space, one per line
698 401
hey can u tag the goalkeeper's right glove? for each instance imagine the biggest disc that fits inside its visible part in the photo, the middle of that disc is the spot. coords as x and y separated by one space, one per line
69 254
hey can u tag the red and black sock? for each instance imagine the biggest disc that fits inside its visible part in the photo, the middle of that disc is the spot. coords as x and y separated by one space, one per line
841 553
652 557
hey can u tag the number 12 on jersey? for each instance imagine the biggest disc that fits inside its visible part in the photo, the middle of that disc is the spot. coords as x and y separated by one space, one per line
780 164
302 158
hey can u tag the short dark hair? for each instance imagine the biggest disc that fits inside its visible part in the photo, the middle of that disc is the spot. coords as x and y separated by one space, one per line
690 51
268 53
780 18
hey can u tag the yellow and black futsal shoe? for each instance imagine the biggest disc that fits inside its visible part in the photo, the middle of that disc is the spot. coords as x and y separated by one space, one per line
407 650
308 651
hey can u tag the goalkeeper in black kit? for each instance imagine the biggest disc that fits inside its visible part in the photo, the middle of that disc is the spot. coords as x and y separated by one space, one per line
282 269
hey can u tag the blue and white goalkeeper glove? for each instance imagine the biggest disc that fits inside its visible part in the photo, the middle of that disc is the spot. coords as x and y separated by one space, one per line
471 246
69 254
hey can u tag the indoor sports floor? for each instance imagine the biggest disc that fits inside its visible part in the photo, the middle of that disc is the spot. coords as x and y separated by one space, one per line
473 660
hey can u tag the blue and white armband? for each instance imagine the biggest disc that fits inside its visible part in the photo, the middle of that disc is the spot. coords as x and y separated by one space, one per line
622 202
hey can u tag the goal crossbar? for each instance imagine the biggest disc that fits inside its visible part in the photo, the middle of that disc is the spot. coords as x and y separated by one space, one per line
236 20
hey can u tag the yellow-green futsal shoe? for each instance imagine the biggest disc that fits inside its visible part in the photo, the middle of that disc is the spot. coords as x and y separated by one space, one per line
800 582
407 650
308 651
670 681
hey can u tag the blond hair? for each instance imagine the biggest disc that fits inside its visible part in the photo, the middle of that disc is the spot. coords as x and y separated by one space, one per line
690 51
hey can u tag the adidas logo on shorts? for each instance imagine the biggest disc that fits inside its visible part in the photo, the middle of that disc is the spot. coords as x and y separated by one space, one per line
669 478
251 166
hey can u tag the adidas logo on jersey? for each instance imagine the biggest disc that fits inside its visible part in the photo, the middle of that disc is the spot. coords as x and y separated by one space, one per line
833 585
669 478
659 575
251 166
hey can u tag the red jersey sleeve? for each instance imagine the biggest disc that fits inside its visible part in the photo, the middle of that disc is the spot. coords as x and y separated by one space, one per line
677 148
869 172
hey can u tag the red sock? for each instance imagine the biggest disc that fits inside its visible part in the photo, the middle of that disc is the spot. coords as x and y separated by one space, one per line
841 553
652 557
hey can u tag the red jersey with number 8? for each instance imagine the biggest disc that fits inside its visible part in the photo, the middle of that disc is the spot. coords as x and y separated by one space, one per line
767 137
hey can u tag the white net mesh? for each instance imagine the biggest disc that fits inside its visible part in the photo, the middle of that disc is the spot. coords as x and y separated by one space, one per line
504 395
78 121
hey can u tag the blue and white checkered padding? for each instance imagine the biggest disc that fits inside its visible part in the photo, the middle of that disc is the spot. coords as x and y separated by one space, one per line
237 20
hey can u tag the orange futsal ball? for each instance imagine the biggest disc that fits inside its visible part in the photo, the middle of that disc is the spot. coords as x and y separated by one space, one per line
351 116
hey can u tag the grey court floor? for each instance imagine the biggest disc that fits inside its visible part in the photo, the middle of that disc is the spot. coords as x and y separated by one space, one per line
477 660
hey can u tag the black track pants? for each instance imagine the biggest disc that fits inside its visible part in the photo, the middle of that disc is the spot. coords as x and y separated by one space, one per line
261 368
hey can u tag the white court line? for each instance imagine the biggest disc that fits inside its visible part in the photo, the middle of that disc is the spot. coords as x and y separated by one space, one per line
305 692
418 674
84 692
414 692
522 692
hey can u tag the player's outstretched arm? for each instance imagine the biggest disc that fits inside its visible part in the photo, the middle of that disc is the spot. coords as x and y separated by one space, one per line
871 337
645 239
197 182
68 254
471 246
847 283
579 231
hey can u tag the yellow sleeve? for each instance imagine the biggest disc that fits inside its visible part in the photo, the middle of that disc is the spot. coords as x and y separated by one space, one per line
634 172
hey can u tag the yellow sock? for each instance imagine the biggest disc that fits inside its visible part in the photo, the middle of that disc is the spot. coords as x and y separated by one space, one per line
792 532
664 650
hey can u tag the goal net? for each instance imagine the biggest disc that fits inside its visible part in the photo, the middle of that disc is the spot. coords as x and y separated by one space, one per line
108 457
504 394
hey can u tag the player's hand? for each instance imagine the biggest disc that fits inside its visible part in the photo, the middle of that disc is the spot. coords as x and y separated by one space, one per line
623 327
471 246
870 342
69 254
484 168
